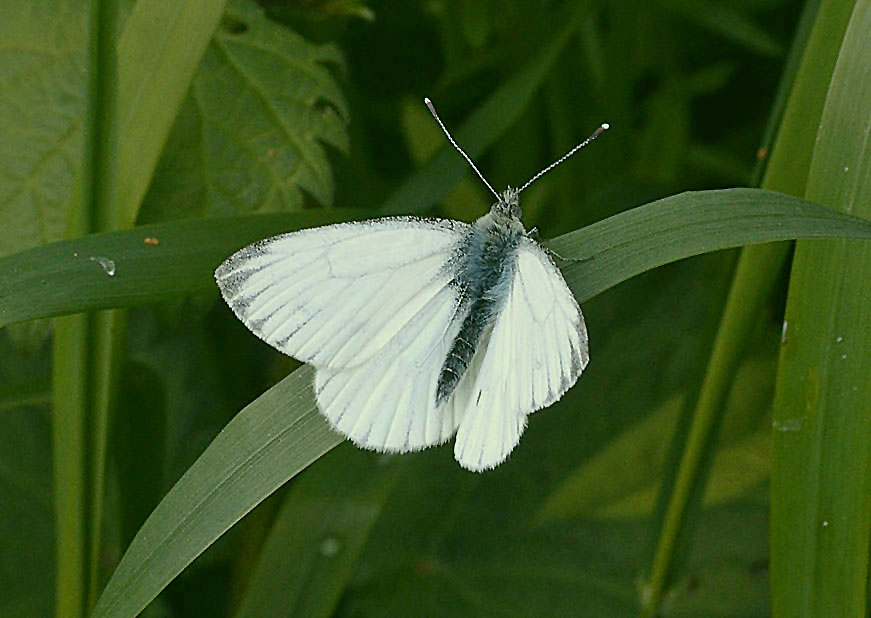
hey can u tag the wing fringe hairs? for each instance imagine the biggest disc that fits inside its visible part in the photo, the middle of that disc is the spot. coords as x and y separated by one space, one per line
375 308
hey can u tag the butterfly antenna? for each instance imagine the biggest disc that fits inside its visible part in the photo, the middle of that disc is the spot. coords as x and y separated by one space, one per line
595 134
460 150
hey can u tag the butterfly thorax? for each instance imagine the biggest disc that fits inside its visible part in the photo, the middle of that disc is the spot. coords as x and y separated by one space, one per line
485 266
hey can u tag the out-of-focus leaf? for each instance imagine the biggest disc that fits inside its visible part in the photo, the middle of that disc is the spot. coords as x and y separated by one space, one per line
503 568
26 509
630 465
139 444
486 124
727 569
475 22
250 136
623 478
42 78
726 21
324 522
318 9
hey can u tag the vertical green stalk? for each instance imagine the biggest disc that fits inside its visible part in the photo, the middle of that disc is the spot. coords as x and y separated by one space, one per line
136 83
821 503
750 288
754 276
71 462
81 402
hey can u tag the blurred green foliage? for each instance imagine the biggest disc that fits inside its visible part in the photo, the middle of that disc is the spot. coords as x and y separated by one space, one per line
299 105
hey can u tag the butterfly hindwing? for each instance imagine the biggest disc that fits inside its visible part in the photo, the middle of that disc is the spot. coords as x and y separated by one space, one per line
389 402
535 352
334 296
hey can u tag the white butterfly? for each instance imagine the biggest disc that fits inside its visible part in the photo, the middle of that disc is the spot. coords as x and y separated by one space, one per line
419 328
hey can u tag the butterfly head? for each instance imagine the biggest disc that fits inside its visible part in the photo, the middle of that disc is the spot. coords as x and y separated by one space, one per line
508 204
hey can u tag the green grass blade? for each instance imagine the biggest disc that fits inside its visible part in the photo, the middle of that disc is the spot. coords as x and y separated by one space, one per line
125 111
317 536
71 276
281 433
268 442
64 277
158 54
756 273
788 93
70 472
689 224
821 507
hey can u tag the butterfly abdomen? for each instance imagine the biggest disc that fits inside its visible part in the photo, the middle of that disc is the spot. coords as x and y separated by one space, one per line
484 279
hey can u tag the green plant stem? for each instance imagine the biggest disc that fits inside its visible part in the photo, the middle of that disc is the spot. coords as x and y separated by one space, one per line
69 443
754 276
756 273
81 403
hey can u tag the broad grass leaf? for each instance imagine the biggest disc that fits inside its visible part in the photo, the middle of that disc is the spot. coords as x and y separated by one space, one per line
317 535
821 510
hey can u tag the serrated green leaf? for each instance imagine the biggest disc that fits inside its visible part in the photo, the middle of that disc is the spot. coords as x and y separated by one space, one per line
42 50
250 135
42 78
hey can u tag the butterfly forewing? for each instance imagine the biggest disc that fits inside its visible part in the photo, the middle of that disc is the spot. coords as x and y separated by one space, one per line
334 296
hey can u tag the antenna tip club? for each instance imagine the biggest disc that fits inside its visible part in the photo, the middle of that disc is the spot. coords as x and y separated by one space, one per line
605 126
